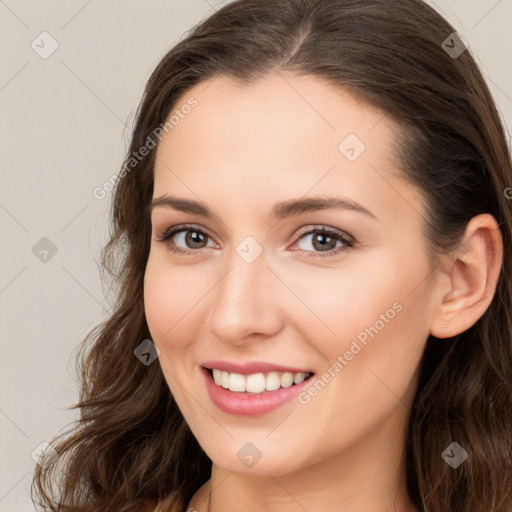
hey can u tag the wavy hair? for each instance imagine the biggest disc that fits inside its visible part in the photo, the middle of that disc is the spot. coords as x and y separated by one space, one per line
131 449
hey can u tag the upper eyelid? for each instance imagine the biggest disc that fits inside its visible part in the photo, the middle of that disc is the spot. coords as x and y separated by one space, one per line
178 228
321 227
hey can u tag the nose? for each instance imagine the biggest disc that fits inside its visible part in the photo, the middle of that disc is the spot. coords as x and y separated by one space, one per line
246 302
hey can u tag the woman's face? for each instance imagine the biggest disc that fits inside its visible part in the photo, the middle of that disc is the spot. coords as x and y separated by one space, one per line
352 305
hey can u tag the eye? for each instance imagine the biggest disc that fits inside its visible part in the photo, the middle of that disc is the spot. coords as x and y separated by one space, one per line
189 235
324 242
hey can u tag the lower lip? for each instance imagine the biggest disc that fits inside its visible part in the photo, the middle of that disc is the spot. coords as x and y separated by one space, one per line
245 404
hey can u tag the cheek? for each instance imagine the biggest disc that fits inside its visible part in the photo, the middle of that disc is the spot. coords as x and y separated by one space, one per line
380 327
341 302
169 297
372 313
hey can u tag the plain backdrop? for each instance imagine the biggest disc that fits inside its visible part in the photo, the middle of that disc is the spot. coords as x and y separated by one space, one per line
65 125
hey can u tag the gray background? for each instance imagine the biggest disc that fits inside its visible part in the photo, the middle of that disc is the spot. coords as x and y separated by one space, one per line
64 130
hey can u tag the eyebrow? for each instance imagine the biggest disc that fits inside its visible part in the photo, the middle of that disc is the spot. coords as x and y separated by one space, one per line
279 211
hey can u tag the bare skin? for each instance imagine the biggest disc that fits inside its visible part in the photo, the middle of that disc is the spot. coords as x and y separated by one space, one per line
240 151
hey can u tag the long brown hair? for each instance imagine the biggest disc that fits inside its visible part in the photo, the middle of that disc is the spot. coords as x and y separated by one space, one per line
131 450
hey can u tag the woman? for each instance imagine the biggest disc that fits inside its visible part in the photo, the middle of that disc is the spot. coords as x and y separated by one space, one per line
315 292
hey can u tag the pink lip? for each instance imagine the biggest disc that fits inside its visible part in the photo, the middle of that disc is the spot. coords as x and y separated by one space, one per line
245 404
251 367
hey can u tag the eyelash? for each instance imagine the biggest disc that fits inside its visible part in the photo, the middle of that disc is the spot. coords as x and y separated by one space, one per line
348 243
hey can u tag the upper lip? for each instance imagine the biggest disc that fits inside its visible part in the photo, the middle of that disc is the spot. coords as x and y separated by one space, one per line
250 367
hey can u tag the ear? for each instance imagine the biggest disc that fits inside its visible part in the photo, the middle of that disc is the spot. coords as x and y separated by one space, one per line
470 278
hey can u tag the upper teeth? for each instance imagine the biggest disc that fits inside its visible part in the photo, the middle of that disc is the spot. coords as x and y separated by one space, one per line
257 382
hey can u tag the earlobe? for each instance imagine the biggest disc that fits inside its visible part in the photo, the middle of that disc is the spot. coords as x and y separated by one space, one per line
471 278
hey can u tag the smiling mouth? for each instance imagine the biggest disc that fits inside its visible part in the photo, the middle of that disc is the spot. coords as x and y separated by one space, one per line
257 383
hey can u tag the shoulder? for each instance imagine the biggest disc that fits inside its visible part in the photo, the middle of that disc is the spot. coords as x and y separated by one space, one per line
200 499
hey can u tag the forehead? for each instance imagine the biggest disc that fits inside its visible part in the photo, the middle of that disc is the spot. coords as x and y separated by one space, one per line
284 135
281 108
